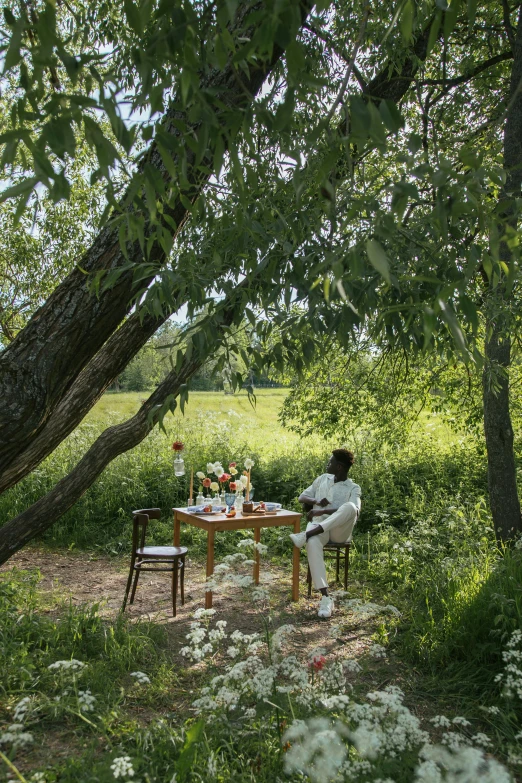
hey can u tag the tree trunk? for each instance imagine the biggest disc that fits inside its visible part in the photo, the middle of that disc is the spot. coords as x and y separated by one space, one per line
502 478
112 442
83 394
43 361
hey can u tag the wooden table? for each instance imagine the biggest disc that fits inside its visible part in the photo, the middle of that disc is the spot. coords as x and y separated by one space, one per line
215 523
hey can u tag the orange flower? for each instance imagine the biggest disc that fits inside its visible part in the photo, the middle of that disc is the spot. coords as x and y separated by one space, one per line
178 445
232 486
207 482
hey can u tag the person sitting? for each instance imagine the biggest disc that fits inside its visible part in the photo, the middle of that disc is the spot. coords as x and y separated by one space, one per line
335 502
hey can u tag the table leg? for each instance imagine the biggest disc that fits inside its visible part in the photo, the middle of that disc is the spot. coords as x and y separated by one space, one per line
257 539
295 565
210 566
177 530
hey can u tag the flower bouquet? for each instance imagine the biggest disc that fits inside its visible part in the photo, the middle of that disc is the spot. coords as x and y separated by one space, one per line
225 482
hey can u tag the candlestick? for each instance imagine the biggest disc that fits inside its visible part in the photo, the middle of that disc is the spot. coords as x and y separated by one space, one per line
248 486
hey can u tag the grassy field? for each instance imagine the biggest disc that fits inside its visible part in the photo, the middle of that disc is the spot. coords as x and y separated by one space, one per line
433 608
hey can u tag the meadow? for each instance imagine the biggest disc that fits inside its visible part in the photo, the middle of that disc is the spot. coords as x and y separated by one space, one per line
417 677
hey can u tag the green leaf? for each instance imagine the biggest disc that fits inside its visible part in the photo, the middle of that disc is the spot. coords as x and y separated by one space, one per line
451 17
406 20
391 116
133 16
360 119
450 318
378 258
472 11
13 55
434 31
19 189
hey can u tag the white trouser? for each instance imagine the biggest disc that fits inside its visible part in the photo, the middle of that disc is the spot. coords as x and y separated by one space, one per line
338 529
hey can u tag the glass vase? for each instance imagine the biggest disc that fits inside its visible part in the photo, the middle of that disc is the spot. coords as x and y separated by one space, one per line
230 498
179 466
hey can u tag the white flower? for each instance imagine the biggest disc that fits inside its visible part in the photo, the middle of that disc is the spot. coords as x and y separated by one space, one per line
491 710
141 677
245 543
37 777
200 474
210 467
260 594
214 486
219 471
233 652
15 736
72 665
481 739
86 701
233 471
243 480
352 666
440 721
465 765
249 464
20 709
316 749
199 614
461 722
377 651
122 767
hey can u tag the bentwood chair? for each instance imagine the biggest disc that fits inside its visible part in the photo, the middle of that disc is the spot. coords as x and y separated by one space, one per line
154 558
338 550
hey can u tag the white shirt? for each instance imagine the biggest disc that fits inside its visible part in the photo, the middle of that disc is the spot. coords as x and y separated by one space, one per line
336 492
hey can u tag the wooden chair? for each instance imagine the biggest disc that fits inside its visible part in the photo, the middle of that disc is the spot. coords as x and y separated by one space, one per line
338 549
331 547
143 556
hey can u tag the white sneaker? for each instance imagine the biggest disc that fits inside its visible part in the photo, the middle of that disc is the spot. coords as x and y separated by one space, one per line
326 606
298 539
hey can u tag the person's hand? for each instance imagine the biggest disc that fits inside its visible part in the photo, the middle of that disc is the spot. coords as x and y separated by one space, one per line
310 515
324 502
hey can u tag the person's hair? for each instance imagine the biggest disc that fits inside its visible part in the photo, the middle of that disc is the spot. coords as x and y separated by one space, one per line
344 456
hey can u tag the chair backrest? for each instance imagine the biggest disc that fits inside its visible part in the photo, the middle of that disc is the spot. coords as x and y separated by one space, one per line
140 520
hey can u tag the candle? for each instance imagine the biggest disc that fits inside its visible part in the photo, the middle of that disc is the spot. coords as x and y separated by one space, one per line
248 486
191 484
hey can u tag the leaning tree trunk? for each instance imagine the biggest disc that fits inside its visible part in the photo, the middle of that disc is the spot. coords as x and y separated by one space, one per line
502 484
114 441
43 361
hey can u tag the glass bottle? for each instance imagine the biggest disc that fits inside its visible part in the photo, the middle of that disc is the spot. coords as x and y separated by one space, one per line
216 501
179 465
238 503
200 500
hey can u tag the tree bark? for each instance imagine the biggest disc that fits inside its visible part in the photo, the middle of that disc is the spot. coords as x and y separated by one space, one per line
86 390
43 361
498 430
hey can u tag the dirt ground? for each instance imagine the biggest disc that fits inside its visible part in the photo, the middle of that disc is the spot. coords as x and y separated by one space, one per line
87 578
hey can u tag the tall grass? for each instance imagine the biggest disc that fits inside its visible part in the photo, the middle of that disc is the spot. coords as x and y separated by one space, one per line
400 483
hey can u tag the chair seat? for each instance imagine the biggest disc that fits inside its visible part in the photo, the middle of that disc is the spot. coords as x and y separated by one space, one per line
162 551
337 545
